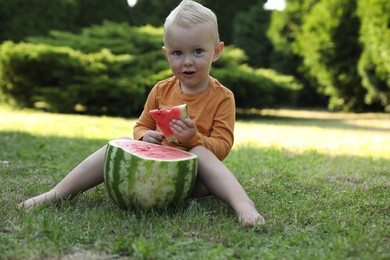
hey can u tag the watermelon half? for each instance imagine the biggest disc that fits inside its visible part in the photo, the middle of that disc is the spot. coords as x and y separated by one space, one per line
144 175
164 116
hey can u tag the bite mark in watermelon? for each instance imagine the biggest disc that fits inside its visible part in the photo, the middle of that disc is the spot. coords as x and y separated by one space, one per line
144 175
164 116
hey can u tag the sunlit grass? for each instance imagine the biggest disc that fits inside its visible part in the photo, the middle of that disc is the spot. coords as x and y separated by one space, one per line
320 179
327 133
47 124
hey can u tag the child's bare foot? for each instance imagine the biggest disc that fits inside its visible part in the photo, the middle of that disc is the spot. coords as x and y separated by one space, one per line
35 201
248 215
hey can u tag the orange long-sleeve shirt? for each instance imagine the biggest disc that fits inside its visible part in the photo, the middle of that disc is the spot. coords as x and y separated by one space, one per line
212 110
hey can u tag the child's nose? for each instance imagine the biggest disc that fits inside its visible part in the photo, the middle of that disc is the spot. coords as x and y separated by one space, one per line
188 60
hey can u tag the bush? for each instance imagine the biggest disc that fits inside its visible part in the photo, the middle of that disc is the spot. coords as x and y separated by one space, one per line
254 88
143 43
65 80
120 38
86 77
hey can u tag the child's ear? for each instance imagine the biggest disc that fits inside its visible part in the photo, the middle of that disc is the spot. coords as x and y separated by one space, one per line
165 51
218 50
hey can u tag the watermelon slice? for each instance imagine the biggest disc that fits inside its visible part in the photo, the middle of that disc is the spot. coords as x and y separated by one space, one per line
164 116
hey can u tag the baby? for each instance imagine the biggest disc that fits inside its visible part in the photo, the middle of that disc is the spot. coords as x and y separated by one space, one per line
191 45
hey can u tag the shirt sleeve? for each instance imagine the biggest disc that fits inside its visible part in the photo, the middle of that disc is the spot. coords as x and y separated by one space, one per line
221 138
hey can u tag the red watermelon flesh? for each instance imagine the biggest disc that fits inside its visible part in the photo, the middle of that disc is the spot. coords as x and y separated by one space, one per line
152 151
164 116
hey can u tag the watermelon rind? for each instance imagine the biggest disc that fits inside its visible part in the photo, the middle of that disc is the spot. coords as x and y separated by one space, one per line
137 182
183 110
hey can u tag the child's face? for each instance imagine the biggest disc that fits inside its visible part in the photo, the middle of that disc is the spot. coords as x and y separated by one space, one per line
190 52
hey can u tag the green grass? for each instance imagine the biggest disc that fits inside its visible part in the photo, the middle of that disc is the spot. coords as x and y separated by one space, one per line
320 179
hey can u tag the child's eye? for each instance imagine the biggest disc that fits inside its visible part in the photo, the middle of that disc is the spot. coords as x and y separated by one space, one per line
198 51
176 53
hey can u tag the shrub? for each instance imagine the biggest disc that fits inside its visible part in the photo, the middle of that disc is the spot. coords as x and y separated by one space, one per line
255 88
87 77
143 43
120 38
67 81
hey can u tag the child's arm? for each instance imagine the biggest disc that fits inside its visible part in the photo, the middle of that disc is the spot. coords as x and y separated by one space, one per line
219 139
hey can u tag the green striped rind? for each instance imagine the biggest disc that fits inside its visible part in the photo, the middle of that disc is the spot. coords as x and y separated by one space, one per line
183 110
136 182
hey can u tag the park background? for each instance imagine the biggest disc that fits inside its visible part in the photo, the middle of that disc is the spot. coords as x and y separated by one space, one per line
312 137
93 57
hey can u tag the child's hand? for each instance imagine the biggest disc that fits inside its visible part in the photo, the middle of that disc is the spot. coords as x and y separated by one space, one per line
153 137
183 129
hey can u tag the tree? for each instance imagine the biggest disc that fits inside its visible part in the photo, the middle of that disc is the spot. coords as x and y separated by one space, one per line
285 58
226 12
374 64
152 12
250 34
283 29
329 45
20 18
94 12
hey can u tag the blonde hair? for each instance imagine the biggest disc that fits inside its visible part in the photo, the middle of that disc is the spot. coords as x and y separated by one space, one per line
189 13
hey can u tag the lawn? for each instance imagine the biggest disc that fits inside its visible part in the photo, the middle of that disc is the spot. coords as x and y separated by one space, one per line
320 179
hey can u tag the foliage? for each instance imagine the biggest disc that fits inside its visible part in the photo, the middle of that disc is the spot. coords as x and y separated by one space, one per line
19 19
93 12
67 81
340 57
318 43
324 193
141 13
161 9
94 75
282 32
270 88
330 49
226 13
143 43
119 87
374 63
250 34
120 38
